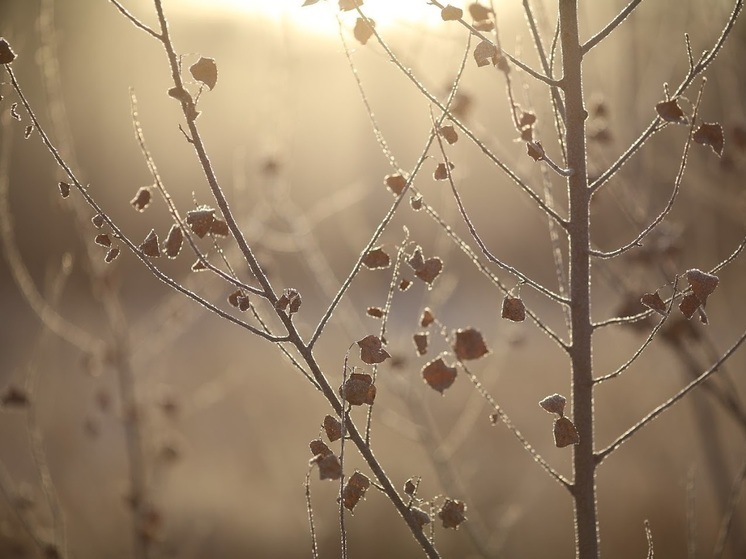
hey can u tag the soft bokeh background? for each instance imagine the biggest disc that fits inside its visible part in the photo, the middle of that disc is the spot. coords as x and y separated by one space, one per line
227 421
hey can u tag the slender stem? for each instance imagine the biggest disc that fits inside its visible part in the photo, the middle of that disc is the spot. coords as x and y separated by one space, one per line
584 494
613 24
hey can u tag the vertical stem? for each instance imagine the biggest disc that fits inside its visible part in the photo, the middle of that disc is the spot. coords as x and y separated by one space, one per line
584 490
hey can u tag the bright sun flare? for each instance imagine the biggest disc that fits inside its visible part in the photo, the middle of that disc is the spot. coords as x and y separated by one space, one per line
320 18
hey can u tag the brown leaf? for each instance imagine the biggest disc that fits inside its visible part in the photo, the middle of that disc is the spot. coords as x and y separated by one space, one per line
372 351
670 111
205 71
348 5
333 428
375 312
484 25
149 246
710 134
554 404
173 242
396 183
427 317
441 173
416 202
689 305
654 301
142 199
485 53
329 466
290 300
111 255
354 490
14 397
200 220
439 375
527 119
420 342
420 516
6 53
565 433
535 150
479 12
98 221
319 447
451 13
233 298
219 228
452 513
377 258
404 284
469 344
449 134
358 389
64 189
702 284
513 309
426 270
102 240
363 30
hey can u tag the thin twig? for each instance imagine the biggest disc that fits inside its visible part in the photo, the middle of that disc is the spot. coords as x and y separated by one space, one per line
136 22
613 24
727 521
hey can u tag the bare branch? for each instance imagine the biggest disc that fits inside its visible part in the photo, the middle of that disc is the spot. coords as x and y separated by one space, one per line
613 24
136 22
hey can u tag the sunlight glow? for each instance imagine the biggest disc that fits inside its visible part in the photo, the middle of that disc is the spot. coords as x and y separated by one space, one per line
321 18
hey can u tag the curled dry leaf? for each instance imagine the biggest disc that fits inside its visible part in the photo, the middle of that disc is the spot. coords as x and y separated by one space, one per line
439 375
535 150
554 404
420 343
98 221
372 351
348 5
233 298
478 12
449 134
565 433
6 53
64 189
670 111
358 389
14 397
219 228
710 134
420 516
200 220
354 490
396 183
689 305
377 258
149 246
654 301
702 284
404 284
452 513
111 255
427 317
289 301
319 448
102 240
426 270
469 344
513 309
441 172
363 30
142 199
173 242
329 466
375 312
205 70
410 487
333 428
451 13
485 53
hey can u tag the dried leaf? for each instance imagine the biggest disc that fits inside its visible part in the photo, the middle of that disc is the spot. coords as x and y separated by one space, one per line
654 301
348 5
404 284
372 351
478 12
141 199
416 202
329 466
469 344
173 242
14 397
710 134
363 30
358 389
420 342
554 404
702 284
309 3
565 433
111 255
375 312
244 303
290 301
426 270
219 228
103 240
527 119
452 513
149 246
98 221
449 134
180 94
376 258
6 53
451 13
410 487
513 309
200 220
689 305
427 317
333 428
441 173
319 448
205 71
420 516
396 183
439 375
354 490
64 189
670 111
485 53
535 150
233 298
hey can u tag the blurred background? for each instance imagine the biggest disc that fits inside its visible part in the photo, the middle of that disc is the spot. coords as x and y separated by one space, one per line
225 418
